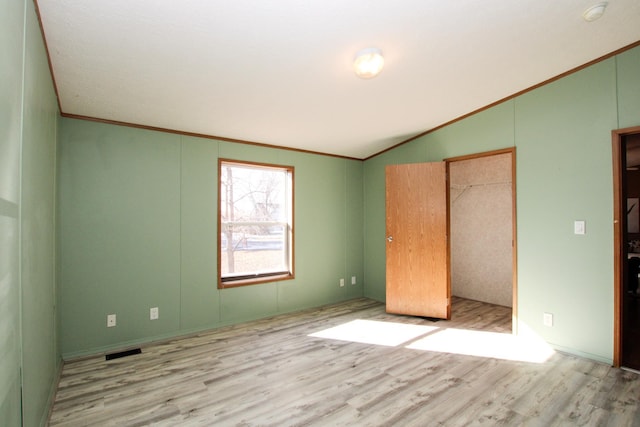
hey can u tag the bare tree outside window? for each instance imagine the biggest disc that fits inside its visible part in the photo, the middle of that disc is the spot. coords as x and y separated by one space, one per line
256 224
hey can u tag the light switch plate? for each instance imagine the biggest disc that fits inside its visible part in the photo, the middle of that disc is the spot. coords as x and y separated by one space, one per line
579 227
547 319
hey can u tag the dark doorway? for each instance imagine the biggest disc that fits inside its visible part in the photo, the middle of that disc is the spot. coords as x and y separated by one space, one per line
626 147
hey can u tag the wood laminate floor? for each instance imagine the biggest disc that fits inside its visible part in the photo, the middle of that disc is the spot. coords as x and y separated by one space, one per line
319 367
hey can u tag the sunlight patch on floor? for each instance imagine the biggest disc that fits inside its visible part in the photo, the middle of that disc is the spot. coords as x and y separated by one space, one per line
527 347
375 332
485 344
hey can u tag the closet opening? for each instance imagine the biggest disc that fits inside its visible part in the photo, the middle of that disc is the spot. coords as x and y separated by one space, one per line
482 215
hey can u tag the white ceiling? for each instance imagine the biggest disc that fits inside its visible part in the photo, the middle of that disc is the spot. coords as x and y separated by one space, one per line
279 72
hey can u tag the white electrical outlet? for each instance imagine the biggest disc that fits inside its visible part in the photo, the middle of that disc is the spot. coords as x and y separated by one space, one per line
579 227
547 319
153 313
111 320
353 280
341 282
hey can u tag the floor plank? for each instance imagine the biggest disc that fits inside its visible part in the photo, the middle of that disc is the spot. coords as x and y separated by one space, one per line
272 372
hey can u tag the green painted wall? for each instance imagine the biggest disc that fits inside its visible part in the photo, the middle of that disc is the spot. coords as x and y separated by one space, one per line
29 354
564 173
40 353
627 66
11 46
562 133
137 225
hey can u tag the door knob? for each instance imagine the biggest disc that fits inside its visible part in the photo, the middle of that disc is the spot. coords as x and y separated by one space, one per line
390 239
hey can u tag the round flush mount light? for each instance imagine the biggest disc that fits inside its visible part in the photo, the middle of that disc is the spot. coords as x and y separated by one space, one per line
595 11
368 62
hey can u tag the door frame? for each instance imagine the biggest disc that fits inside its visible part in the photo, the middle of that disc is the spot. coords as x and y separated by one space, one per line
618 237
514 243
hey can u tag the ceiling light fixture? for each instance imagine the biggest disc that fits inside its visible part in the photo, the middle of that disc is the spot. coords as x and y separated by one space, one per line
368 62
595 11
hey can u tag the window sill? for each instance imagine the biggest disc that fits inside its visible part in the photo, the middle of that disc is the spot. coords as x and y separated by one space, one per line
254 280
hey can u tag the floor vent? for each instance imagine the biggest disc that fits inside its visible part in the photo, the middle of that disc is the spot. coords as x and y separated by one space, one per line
122 354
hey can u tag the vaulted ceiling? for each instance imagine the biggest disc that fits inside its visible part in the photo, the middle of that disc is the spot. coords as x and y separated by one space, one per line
280 72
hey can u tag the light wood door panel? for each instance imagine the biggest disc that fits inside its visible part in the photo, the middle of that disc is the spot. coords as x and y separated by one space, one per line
417 248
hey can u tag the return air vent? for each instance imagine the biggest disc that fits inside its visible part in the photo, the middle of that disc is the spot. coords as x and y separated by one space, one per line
122 354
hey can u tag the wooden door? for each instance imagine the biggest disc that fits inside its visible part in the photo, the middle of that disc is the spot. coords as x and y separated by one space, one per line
417 246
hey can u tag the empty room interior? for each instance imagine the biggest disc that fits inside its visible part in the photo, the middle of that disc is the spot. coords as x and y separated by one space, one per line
319 213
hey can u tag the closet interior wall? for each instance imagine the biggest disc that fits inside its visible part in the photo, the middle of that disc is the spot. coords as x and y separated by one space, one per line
481 229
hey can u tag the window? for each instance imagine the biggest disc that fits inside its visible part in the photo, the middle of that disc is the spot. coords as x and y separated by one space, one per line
255 223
